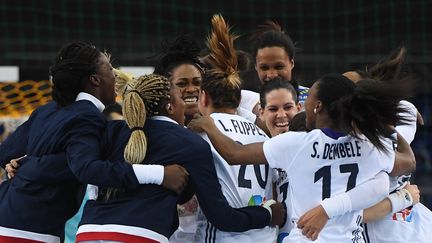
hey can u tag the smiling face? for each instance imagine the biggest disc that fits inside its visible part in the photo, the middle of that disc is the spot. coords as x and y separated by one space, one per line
188 79
279 110
273 61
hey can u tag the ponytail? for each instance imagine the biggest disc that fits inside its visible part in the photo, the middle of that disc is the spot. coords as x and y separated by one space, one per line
370 107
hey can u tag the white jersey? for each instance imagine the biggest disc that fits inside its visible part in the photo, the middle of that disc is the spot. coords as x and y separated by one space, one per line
411 224
281 186
408 130
242 185
320 164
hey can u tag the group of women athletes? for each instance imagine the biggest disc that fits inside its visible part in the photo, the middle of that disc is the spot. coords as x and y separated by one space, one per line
330 178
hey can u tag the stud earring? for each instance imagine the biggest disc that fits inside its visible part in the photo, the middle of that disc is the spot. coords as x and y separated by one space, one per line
314 110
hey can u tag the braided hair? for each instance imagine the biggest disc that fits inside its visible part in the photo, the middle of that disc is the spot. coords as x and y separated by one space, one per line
72 68
148 96
222 81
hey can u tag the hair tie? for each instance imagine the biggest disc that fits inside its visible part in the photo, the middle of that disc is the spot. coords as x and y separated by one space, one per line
137 128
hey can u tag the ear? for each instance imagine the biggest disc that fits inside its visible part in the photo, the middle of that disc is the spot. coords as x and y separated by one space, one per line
169 108
261 113
94 80
318 106
203 99
292 63
299 106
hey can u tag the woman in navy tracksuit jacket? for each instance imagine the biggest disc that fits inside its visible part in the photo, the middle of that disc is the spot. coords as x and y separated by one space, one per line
47 191
149 214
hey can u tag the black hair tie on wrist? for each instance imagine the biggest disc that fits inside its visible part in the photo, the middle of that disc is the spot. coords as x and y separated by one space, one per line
137 128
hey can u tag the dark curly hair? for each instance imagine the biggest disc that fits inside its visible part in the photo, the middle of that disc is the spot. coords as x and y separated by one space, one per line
183 50
74 63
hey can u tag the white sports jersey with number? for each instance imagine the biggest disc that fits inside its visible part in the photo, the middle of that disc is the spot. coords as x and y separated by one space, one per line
320 164
242 185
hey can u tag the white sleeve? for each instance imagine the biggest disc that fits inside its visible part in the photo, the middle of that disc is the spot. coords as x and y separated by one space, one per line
149 174
360 197
279 150
407 131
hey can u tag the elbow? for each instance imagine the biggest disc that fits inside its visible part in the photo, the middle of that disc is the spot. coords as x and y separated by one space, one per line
232 159
367 217
231 156
403 165
412 166
410 163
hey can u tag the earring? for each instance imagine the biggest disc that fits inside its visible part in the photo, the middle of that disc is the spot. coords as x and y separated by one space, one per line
314 110
169 106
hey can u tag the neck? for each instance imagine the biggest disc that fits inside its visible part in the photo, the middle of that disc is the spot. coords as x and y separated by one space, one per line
324 121
188 119
223 110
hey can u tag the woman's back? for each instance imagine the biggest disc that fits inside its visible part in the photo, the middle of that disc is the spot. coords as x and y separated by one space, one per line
323 165
52 190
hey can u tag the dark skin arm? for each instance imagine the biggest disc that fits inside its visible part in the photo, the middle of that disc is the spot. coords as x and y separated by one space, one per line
405 161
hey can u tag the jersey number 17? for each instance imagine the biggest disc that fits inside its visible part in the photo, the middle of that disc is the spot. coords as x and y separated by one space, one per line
325 173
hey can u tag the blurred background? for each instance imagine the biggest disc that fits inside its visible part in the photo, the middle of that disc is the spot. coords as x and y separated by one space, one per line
332 36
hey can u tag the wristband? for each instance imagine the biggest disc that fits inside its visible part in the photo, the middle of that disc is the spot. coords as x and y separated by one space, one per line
149 174
267 205
400 200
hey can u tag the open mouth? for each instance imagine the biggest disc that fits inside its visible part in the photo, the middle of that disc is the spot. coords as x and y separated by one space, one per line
282 124
191 99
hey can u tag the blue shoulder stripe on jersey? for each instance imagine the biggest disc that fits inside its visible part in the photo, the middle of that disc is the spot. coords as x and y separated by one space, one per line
332 134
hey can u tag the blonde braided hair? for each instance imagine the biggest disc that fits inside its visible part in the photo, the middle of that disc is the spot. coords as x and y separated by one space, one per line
123 82
146 98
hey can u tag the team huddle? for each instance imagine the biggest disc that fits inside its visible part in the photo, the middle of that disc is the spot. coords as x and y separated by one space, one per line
197 159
